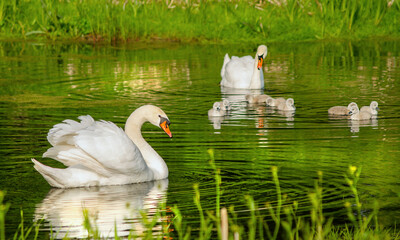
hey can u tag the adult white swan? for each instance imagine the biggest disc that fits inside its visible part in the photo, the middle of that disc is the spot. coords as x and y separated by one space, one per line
245 72
100 153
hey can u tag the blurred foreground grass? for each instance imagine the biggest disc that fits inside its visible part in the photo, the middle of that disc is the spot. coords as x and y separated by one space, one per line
280 222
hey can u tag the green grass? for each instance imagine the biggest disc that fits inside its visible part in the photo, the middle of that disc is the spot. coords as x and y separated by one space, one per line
281 222
201 21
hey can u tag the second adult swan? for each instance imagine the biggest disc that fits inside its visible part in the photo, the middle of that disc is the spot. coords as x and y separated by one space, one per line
245 72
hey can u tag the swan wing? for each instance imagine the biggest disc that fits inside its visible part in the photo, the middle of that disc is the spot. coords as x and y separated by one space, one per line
100 146
239 71
62 133
111 147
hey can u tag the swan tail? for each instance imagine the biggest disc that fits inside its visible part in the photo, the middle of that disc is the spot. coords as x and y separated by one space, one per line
51 175
226 60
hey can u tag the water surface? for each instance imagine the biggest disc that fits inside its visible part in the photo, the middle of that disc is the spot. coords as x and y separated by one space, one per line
42 84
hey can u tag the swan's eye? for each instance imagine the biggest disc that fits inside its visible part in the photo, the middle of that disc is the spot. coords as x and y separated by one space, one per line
260 57
163 119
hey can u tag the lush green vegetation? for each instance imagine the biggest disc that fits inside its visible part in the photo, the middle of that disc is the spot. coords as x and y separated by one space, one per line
205 21
280 222
51 93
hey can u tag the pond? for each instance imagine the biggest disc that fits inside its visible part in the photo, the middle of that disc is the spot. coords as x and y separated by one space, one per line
43 84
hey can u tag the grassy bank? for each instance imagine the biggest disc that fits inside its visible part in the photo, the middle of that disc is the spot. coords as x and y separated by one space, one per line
277 220
205 21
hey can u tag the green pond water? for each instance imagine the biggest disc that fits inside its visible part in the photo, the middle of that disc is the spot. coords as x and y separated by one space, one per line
43 84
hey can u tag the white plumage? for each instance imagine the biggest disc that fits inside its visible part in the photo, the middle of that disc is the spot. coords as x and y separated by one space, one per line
101 153
357 115
244 72
218 110
372 108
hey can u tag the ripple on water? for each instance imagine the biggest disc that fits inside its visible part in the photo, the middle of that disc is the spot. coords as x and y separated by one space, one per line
53 84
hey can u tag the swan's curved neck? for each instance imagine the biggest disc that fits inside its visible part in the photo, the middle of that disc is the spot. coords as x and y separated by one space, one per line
153 159
256 81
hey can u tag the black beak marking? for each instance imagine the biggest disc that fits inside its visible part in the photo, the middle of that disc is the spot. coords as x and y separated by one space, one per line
163 119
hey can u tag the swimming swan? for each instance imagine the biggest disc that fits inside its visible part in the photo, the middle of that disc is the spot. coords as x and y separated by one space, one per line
99 153
288 105
357 115
372 108
245 72
216 110
226 105
341 110
259 99
275 102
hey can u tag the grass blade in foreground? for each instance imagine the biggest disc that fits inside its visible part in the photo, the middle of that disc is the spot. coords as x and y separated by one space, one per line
223 224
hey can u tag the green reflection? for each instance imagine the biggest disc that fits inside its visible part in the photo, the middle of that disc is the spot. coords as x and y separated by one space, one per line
42 85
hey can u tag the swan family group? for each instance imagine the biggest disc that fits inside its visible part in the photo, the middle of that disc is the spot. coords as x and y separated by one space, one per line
99 153
246 73
221 109
354 113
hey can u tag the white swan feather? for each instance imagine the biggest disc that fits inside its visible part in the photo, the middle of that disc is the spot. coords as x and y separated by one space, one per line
244 72
101 153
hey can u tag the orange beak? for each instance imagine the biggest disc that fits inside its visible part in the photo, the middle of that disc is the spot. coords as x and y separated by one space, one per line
260 62
165 127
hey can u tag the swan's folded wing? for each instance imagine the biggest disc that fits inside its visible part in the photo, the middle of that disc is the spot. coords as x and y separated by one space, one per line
64 132
71 155
111 147
238 65
239 71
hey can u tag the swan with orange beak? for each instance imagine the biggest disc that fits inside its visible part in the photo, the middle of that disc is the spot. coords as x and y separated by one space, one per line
244 72
164 124
99 153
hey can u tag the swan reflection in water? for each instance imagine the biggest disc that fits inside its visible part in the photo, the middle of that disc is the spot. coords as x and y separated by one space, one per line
288 115
237 99
241 109
237 103
108 206
356 124
216 121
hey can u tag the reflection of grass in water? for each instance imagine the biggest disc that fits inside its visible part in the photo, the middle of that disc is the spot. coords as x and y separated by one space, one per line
219 224
244 21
